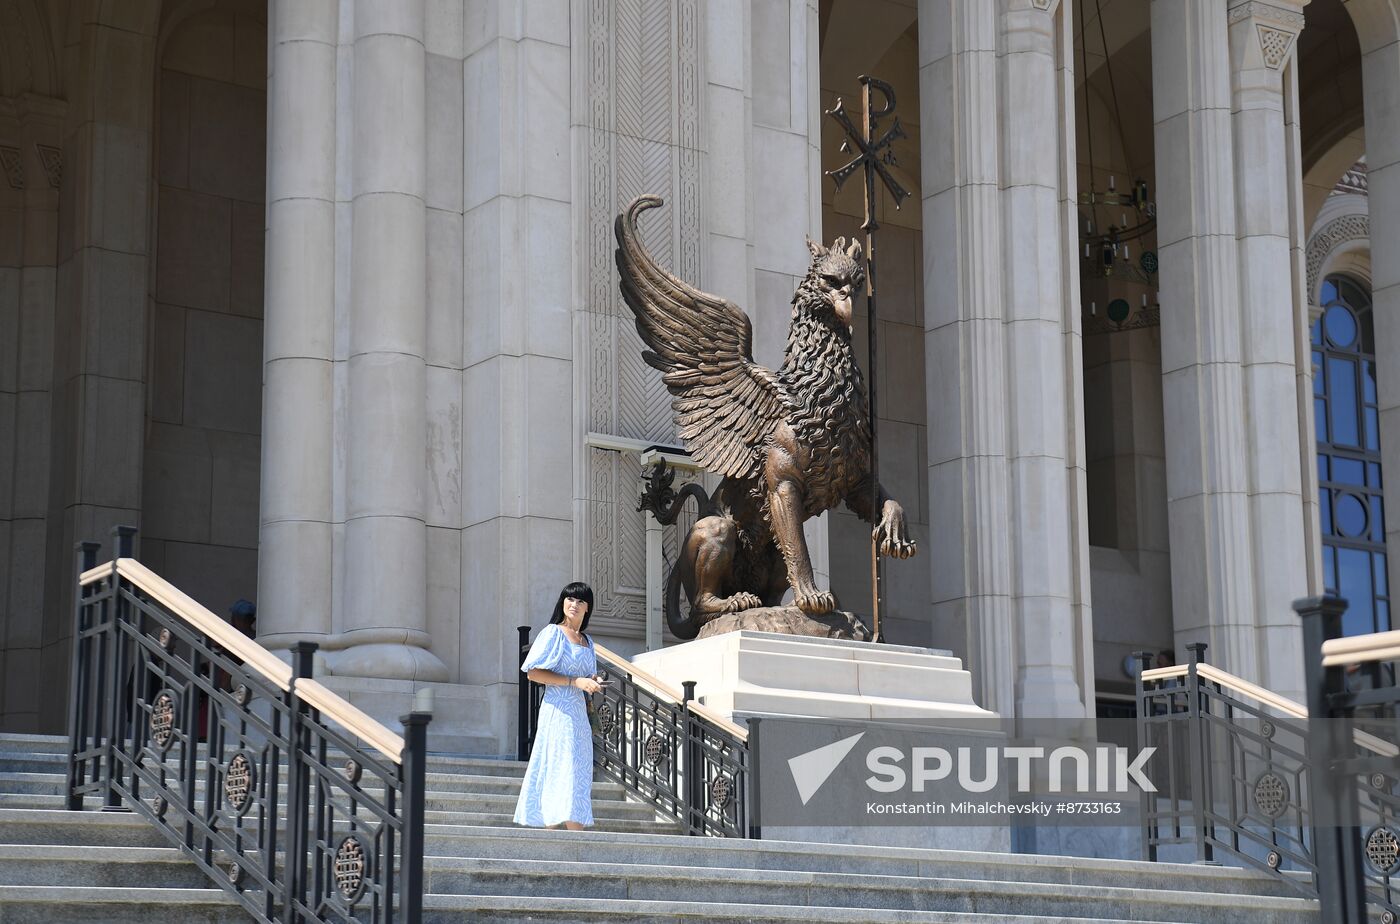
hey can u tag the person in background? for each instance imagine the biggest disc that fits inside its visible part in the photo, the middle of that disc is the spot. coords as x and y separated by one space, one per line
558 785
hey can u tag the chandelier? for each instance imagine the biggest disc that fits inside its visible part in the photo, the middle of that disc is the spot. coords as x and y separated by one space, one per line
1114 220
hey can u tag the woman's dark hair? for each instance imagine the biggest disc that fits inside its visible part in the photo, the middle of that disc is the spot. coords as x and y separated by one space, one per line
579 591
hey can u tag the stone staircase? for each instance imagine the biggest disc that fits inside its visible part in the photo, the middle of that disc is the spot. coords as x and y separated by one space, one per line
58 866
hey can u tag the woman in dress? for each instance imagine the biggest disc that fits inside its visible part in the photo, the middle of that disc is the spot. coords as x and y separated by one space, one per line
558 783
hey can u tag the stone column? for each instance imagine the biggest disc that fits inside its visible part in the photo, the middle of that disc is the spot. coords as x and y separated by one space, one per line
518 444
295 545
1212 553
1378 27
385 603
964 345
1261 36
32 136
1042 367
99 371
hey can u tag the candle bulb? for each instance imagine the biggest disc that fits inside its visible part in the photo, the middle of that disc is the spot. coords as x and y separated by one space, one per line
1093 308
1112 184
1144 299
1125 252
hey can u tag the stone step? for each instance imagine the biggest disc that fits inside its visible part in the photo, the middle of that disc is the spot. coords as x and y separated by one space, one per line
36 759
466 810
100 905
493 909
51 783
699 853
106 867
649 882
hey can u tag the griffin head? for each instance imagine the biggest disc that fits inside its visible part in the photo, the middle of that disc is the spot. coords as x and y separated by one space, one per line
833 278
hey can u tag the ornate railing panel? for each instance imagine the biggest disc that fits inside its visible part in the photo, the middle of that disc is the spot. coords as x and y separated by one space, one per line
290 798
663 747
1312 802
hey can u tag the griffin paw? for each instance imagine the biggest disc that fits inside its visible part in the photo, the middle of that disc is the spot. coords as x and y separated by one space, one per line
815 602
741 601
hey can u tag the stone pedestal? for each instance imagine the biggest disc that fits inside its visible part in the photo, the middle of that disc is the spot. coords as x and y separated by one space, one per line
745 673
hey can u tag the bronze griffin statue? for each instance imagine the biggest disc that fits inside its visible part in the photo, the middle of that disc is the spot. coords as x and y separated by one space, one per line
790 444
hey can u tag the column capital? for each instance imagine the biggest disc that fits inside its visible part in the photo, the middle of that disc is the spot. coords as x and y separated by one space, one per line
1274 24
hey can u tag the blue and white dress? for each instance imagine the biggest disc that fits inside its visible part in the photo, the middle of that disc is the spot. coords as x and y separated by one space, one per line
558 783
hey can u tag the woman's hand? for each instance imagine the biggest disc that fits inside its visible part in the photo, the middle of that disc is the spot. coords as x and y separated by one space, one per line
586 684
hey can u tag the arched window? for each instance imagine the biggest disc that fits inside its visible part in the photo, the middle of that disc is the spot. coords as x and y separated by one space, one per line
1349 455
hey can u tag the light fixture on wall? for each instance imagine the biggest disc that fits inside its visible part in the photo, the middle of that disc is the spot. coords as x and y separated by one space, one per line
1113 221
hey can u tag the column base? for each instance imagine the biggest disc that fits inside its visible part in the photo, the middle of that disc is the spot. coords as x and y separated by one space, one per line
389 661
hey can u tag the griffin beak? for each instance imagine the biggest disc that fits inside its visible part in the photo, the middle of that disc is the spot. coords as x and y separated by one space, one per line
841 302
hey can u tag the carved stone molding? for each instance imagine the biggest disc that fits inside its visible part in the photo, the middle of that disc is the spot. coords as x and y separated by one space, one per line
1340 230
13 165
642 112
1284 18
52 159
1275 44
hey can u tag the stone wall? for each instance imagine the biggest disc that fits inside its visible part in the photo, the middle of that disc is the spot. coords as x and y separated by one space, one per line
200 479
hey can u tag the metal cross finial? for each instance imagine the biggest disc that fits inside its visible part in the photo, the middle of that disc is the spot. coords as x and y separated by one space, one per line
875 154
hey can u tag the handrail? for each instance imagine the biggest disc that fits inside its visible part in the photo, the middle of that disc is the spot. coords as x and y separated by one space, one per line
1359 649
270 782
331 705
660 687
1265 697
351 718
200 617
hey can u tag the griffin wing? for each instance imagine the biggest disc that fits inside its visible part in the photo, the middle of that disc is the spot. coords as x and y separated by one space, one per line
725 404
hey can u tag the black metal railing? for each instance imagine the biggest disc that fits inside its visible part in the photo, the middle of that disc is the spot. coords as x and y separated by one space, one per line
253 769
1249 777
663 749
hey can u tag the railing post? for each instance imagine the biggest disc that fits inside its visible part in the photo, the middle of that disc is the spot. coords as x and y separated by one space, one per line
1149 804
122 537
693 786
522 723
77 679
754 792
298 802
1336 826
415 756
1200 773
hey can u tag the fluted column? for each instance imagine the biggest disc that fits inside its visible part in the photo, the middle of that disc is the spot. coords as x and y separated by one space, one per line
1202 377
295 534
1041 371
385 603
1378 27
1261 40
964 343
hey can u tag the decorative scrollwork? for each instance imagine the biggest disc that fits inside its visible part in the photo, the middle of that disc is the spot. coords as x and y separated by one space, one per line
351 868
1274 859
234 871
164 638
1378 780
1383 850
1387 917
654 749
159 806
242 694
240 780
607 718
352 771
163 719
1266 728
721 791
1271 794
